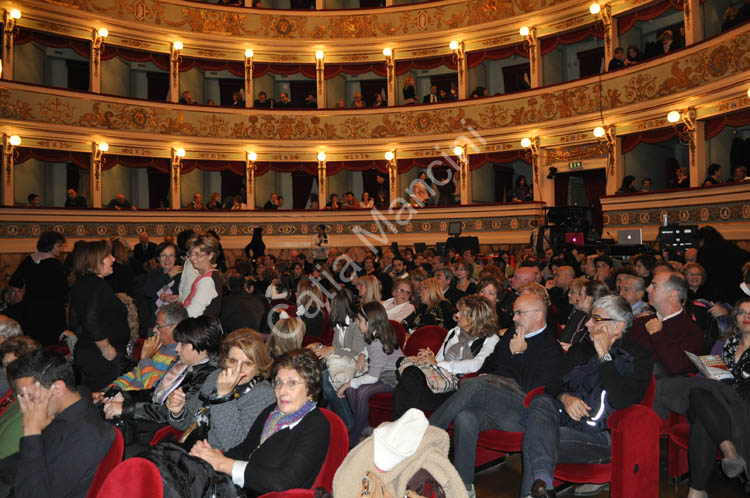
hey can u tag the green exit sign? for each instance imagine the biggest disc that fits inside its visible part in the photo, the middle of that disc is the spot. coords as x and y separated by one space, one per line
575 165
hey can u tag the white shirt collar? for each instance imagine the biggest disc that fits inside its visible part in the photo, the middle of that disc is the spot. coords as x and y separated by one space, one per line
745 288
536 332
665 318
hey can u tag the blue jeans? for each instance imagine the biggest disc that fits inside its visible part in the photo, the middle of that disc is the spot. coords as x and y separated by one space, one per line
339 405
477 406
547 443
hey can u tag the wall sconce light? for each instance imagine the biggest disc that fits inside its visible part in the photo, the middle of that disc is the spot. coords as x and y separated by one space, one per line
9 27
103 32
319 54
525 142
748 93
179 153
14 140
453 45
321 156
388 52
249 53
524 31
684 124
103 146
389 155
674 117
252 156
599 132
178 45
595 8
458 150
15 14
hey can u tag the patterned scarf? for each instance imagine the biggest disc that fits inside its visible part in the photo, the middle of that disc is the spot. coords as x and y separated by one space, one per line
461 350
277 420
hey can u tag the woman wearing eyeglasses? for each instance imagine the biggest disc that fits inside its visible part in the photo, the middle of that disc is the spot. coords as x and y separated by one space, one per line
162 285
399 307
206 290
288 443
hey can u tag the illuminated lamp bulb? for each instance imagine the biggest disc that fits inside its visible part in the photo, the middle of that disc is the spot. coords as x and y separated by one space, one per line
748 93
15 14
525 142
674 117
387 51
595 8
389 155
249 52
319 54
103 32
15 140
179 152
178 45
321 156
453 45
524 31
458 150
598 132
103 146
252 156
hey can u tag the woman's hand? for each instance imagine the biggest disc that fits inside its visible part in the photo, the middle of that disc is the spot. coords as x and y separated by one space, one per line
342 390
113 407
176 401
169 298
212 456
227 380
323 351
427 356
65 334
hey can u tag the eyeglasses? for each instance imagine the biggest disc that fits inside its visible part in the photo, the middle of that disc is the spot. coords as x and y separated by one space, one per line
291 384
743 313
598 319
166 256
160 326
405 291
522 312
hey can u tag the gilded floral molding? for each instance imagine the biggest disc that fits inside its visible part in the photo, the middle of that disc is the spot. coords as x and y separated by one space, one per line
371 23
683 71
726 212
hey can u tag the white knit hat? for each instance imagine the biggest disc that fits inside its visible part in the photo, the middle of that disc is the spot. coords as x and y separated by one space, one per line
394 442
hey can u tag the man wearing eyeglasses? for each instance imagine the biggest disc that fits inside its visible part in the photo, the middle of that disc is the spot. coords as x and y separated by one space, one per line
524 358
568 423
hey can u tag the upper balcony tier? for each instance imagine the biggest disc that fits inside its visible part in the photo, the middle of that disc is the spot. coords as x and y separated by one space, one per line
415 30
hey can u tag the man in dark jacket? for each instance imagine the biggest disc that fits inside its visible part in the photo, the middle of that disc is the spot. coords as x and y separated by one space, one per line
143 252
243 308
64 438
568 423
494 400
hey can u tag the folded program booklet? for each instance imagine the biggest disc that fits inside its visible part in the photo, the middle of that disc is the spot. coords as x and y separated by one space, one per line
711 366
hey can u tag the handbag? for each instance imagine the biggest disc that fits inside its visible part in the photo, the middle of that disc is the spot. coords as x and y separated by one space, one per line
439 380
372 487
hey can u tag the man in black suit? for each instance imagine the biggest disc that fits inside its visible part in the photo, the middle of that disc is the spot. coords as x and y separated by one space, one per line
75 200
143 252
432 97
273 202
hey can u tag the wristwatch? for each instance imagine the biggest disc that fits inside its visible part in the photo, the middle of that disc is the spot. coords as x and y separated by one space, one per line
605 357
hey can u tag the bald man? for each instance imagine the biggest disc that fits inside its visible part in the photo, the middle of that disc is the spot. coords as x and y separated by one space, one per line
522 276
530 357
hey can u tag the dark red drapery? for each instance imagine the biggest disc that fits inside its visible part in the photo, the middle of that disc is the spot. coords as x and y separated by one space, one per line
578 35
158 163
160 60
476 58
403 67
262 68
715 125
24 35
627 21
335 167
405 165
80 159
333 70
236 68
476 161
630 142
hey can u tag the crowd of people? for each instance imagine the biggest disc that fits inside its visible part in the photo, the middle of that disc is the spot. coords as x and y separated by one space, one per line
239 357
630 185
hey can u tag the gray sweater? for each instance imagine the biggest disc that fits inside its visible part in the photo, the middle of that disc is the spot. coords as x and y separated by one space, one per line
352 344
230 421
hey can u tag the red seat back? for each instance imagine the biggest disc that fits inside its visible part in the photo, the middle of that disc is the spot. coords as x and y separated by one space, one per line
428 337
163 433
401 334
108 463
133 478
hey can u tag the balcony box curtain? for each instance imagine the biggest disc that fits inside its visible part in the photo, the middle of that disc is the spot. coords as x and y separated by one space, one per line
263 68
578 35
159 60
476 58
438 163
333 70
476 161
80 159
403 67
335 167
630 142
236 68
81 47
627 21
263 167
715 125
160 164
189 165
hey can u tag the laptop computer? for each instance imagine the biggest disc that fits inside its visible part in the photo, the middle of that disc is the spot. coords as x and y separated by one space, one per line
630 237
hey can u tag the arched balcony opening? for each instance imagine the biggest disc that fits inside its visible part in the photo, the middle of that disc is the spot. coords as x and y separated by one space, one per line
495 176
648 30
49 174
572 55
654 155
728 142
415 79
45 59
499 70
356 85
272 82
134 73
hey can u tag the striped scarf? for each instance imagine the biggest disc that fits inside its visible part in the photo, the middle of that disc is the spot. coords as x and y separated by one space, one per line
277 420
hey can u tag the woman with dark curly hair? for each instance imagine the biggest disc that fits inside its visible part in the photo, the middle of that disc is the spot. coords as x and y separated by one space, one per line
288 442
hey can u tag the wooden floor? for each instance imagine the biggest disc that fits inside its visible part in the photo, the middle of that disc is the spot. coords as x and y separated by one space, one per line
504 481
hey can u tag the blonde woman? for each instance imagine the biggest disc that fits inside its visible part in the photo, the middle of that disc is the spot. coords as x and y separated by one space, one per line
399 307
464 350
434 308
368 288
410 91
206 290
286 335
